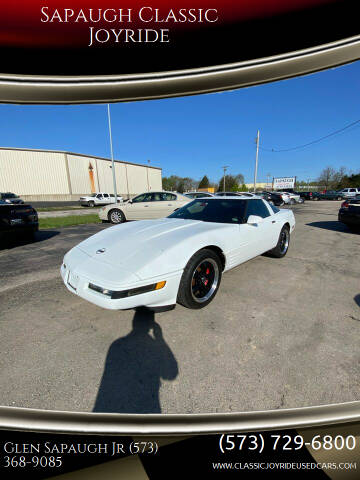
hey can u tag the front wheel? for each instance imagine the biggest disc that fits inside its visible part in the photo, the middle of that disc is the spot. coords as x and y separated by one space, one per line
91 204
200 280
283 244
339 198
116 216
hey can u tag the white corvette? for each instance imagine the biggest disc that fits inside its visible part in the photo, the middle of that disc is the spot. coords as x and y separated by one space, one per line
181 258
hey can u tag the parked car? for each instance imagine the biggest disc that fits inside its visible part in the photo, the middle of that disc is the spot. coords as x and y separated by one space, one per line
234 194
291 197
349 213
331 195
350 192
98 199
21 220
144 206
10 197
309 195
198 194
181 258
272 198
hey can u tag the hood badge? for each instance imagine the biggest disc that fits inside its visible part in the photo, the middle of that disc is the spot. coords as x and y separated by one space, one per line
101 250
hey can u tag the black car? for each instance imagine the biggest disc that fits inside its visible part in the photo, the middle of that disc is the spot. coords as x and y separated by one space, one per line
272 197
21 220
309 195
349 213
10 197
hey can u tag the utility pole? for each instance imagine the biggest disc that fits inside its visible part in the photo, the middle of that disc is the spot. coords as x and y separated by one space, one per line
147 175
257 158
268 175
112 154
225 167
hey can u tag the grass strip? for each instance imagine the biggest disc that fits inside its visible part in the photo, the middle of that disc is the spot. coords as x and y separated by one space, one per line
70 220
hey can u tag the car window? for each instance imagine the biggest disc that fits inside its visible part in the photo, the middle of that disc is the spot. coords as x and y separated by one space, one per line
99 196
155 197
274 209
106 195
168 197
352 189
219 211
144 197
257 207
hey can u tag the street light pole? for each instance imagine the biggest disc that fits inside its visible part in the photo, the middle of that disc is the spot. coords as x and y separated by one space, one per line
225 167
112 154
257 158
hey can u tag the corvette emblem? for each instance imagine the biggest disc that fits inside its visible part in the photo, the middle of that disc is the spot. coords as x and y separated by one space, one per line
101 250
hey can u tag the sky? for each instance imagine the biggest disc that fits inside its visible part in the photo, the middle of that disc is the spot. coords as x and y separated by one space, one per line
196 135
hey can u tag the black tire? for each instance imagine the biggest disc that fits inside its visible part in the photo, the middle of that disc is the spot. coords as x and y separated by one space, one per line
283 244
339 198
116 216
91 204
200 280
292 201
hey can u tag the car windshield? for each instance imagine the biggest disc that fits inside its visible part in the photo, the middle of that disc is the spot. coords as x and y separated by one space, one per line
214 210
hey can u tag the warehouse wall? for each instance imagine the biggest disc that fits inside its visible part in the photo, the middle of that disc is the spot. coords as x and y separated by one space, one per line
38 175
28 172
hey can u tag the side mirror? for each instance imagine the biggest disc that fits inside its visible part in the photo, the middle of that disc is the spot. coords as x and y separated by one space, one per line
254 220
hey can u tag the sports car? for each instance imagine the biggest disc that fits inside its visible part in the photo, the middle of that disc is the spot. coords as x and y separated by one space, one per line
177 259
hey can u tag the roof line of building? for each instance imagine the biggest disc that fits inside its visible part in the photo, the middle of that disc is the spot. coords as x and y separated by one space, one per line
76 154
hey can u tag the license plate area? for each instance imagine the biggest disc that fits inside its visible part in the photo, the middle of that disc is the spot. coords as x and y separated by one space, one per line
73 280
16 221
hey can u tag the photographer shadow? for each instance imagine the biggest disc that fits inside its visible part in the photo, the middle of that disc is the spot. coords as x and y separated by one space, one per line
134 367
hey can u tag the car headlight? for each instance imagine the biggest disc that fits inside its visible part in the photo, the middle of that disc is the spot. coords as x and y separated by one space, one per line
127 293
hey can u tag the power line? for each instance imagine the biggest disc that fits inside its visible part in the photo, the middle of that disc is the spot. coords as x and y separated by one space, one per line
336 132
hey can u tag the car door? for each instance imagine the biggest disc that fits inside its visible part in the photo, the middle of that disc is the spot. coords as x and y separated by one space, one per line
139 207
99 200
106 199
261 237
160 206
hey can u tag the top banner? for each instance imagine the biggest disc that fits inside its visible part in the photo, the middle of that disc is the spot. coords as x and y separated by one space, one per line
229 43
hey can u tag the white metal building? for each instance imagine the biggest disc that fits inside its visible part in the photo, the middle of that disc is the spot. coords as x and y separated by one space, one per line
50 175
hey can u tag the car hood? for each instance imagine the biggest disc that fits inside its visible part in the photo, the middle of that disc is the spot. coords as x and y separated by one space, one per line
134 244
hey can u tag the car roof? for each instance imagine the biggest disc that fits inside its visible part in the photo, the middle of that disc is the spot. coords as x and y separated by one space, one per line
233 197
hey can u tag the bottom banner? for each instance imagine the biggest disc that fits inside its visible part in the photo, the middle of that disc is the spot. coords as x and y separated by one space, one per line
326 452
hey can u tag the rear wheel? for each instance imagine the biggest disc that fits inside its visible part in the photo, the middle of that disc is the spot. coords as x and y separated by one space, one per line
283 244
116 216
200 280
339 198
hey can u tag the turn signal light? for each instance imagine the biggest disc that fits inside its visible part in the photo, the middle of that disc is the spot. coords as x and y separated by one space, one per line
160 285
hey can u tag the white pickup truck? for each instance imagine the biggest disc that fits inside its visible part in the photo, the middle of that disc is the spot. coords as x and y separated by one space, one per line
99 198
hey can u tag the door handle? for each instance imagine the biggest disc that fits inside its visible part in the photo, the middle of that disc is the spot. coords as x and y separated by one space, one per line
274 221
146 205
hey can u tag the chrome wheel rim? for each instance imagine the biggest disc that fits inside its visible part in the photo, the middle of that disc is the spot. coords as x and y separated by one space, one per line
205 280
284 241
115 217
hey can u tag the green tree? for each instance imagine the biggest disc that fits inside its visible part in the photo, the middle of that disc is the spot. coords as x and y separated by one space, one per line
232 183
204 182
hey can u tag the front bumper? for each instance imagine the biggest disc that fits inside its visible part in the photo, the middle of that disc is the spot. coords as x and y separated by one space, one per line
79 285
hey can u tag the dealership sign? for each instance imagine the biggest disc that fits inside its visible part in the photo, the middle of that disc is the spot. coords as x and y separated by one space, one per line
284 182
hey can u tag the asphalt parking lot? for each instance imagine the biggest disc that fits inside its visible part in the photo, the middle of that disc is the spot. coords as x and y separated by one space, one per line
280 333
